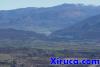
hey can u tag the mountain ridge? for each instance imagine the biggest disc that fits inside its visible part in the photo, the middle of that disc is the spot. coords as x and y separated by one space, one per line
46 20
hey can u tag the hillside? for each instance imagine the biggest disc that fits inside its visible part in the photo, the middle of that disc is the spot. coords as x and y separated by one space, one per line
13 34
88 29
46 20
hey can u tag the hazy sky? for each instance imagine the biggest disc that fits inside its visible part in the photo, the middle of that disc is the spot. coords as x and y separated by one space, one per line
13 4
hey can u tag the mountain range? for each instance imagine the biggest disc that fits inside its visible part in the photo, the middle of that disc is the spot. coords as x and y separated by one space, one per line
46 20
88 29
62 22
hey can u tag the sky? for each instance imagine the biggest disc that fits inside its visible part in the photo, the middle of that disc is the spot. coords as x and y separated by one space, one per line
14 4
